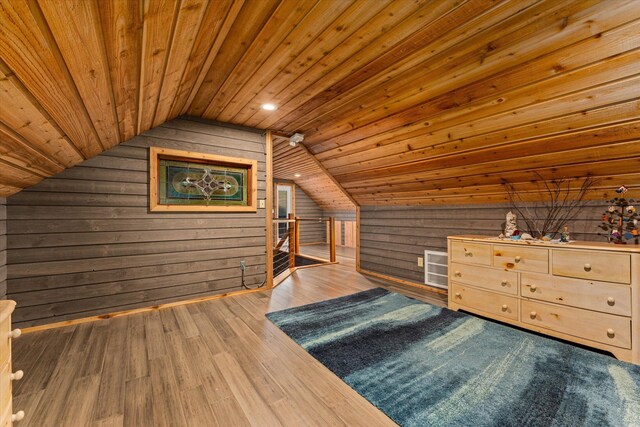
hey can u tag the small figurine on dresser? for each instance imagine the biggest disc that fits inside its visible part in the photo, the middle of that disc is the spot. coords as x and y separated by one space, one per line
564 236
511 226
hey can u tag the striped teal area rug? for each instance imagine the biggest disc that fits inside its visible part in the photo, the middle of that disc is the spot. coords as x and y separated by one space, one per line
428 366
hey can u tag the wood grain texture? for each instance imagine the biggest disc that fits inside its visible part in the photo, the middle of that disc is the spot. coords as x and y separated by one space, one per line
401 102
118 255
121 22
31 53
76 22
214 363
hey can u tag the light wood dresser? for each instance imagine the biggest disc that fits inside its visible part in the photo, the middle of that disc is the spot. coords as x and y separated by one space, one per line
584 292
7 376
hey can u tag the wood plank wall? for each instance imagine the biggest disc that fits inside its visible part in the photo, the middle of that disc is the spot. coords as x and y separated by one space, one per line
3 248
393 237
341 216
310 232
83 242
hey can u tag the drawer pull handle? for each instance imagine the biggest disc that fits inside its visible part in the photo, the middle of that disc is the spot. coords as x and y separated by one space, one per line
504 307
611 301
611 333
15 333
458 274
457 295
505 283
533 288
17 375
587 267
467 253
18 416
518 258
533 314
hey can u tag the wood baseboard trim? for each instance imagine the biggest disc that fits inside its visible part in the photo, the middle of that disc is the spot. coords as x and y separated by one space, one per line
403 282
134 311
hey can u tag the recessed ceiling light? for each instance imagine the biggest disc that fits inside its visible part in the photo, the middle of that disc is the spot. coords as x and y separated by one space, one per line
297 175
268 107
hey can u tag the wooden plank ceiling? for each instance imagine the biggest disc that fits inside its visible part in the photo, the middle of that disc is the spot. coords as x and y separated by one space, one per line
403 102
299 165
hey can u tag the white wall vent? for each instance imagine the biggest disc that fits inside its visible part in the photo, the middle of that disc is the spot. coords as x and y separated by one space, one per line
436 269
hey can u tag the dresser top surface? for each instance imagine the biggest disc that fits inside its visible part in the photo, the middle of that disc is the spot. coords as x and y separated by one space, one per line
6 308
601 246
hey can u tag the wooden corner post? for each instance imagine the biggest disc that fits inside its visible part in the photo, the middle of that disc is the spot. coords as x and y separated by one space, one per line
269 208
292 240
358 238
332 239
296 225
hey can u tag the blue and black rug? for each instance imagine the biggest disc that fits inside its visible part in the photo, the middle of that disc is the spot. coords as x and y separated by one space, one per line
424 365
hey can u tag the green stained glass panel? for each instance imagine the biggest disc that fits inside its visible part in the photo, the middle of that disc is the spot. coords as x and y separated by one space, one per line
187 183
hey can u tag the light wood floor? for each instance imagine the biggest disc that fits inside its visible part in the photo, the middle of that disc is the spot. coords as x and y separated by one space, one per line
343 253
216 363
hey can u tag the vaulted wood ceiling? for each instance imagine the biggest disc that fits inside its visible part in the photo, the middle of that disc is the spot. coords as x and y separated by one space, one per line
299 165
403 102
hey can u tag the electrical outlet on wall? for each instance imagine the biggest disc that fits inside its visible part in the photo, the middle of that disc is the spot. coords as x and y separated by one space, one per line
262 203
420 261
243 265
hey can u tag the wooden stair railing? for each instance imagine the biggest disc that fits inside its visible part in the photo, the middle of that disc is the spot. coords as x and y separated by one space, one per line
280 243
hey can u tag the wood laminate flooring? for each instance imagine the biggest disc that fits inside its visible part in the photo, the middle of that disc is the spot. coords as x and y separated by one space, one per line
215 363
343 253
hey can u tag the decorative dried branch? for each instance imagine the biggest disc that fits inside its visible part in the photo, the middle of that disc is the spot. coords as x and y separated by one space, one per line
550 215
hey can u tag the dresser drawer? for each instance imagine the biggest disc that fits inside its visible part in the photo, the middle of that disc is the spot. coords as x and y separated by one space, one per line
5 416
607 267
471 253
601 296
600 327
484 277
488 302
5 385
5 341
521 258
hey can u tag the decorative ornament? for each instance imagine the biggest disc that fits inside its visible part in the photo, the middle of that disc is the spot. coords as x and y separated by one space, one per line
564 236
620 221
208 184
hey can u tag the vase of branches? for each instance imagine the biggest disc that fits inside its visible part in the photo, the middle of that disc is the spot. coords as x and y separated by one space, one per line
561 202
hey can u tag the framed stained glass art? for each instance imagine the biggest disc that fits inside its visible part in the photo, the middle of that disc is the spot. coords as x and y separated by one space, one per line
188 181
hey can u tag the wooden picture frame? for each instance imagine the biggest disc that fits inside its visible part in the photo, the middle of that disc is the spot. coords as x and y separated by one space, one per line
246 168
